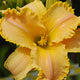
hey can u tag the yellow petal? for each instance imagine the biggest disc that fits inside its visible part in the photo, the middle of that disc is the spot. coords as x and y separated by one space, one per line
37 6
73 44
60 22
0 24
21 27
53 61
19 63
79 21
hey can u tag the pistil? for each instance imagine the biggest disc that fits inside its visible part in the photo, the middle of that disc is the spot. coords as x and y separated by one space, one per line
43 40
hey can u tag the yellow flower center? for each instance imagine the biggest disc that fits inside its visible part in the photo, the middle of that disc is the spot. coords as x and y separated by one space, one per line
43 40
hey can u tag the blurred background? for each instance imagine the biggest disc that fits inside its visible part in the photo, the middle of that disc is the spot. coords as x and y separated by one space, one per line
7 48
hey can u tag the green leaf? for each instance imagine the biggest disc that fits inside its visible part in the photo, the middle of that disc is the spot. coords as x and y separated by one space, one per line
69 2
31 0
3 51
20 3
27 1
68 78
50 2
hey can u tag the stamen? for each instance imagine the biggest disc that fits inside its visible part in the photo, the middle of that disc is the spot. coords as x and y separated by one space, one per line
43 40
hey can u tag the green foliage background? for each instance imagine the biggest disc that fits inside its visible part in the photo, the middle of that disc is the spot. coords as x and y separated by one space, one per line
7 48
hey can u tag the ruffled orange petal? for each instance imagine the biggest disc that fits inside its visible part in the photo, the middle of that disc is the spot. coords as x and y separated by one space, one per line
21 27
60 22
36 6
53 62
73 44
19 63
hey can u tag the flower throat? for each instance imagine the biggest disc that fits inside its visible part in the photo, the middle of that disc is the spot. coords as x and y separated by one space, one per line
42 40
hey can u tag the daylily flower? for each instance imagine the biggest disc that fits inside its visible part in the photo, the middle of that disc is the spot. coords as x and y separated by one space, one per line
44 37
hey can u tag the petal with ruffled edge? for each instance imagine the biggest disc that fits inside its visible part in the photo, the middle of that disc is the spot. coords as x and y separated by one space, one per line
73 44
60 22
79 21
21 27
0 24
36 6
53 62
19 63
